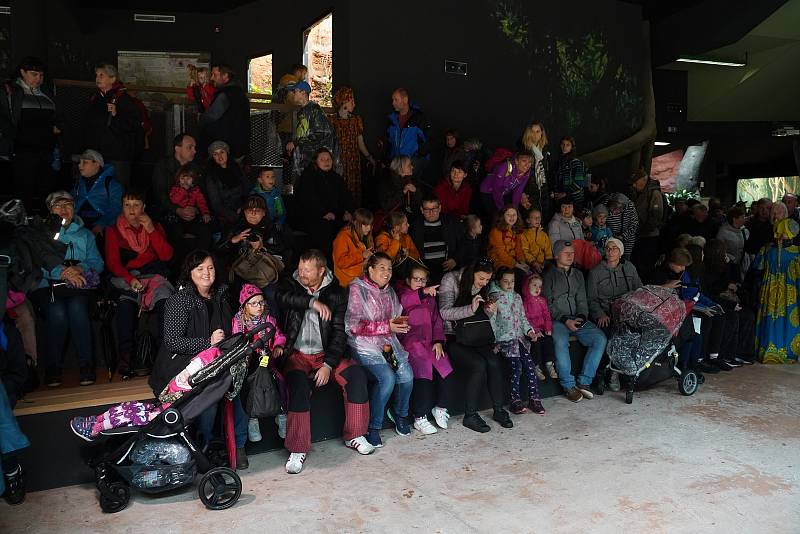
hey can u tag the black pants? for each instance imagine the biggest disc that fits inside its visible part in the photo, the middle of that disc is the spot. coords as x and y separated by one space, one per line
127 320
720 335
644 256
429 393
479 366
543 351
33 176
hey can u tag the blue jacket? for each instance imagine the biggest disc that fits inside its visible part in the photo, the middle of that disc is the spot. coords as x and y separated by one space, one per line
104 197
411 140
81 245
275 205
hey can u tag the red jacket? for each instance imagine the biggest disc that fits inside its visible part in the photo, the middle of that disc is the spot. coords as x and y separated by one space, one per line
188 197
159 249
206 94
454 202
536 310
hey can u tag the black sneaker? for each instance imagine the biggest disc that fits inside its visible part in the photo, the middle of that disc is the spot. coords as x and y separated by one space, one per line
721 364
707 368
475 422
15 487
87 376
52 381
502 417
732 362
125 374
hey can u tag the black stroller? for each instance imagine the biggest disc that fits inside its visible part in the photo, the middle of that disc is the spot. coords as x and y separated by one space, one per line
641 348
161 456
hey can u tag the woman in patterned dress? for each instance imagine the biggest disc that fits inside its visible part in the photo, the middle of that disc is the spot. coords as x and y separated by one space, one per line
350 133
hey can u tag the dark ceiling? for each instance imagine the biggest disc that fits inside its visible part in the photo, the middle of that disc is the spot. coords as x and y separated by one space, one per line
164 6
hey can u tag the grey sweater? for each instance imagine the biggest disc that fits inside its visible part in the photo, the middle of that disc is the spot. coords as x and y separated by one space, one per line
448 293
606 284
565 292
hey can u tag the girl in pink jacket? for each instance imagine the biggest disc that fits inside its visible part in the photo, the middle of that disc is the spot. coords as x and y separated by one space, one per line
425 345
538 315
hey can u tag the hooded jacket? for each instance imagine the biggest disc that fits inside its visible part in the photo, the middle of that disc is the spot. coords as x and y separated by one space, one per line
369 311
565 292
606 284
348 255
412 140
509 321
103 196
274 201
81 245
505 179
427 328
505 248
295 302
536 310
563 229
16 134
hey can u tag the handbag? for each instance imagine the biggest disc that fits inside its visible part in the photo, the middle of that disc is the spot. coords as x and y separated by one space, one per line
475 331
262 398
258 267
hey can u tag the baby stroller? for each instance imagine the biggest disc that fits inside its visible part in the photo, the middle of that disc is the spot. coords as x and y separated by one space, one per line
161 455
641 347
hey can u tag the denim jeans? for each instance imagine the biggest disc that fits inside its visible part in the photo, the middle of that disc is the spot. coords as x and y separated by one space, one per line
590 337
387 381
66 314
205 423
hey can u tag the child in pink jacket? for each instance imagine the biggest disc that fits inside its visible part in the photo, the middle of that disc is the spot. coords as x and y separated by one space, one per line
425 345
538 315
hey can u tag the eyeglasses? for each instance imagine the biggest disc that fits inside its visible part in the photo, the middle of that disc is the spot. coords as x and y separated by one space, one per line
258 304
420 279
431 210
63 205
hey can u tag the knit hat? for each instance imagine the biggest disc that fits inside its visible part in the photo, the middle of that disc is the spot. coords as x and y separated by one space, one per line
560 245
248 291
52 198
680 256
600 209
616 242
698 240
218 145
93 155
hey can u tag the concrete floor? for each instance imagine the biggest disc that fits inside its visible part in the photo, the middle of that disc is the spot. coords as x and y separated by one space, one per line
725 460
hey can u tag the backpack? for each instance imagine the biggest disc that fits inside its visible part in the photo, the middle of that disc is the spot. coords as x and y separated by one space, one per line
142 141
497 156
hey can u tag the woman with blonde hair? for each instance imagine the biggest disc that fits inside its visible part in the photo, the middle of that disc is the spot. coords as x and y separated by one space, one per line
536 194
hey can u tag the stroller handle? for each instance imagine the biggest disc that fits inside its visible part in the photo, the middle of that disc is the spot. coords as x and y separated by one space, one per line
269 332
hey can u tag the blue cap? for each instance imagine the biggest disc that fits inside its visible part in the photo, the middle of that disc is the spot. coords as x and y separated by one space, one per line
300 86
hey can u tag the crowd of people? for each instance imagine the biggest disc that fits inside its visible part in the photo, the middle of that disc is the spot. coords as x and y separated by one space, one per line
377 271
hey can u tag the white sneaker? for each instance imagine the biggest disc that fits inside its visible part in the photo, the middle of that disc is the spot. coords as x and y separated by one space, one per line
423 425
253 430
441 416
280 420
360 445
295 462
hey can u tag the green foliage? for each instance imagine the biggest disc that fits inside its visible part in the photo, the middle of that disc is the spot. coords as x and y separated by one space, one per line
628 97
683 194
253 87
752 189
512 22
581 64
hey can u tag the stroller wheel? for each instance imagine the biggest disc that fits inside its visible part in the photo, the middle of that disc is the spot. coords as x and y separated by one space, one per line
220 488
114 497
688 383
629 397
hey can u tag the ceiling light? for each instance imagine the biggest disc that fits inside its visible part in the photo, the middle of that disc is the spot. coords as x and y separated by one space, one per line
710 62
661 143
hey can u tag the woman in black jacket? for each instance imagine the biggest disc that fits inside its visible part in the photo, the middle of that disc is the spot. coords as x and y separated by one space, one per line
198 316
323 200
226 183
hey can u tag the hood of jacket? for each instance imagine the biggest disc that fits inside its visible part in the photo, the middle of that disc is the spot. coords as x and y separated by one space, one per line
327 279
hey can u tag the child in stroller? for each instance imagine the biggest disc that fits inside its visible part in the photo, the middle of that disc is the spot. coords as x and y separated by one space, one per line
158 454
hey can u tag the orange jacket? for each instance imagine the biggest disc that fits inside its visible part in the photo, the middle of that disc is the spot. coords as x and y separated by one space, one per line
384 243
505 248
348 255
536 246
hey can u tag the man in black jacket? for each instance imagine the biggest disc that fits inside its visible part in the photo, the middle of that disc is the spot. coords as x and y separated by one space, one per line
228 117
437 237
313 306
184 150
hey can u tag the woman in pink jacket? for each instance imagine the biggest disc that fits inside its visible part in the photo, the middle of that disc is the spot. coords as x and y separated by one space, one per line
425 345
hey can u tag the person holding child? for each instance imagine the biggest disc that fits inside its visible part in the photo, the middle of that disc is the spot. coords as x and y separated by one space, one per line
513 335
352 247
186 193
200 89
425 345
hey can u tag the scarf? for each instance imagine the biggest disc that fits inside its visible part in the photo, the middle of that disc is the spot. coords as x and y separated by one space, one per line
138 241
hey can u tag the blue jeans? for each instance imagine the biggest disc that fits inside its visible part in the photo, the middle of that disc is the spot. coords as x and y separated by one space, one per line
66 314
590 337
386 382
205 423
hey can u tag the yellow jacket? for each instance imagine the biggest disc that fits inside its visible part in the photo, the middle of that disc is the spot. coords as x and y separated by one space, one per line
536 246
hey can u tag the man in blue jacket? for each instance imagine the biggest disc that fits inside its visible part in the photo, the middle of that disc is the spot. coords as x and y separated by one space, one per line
408 133
98 195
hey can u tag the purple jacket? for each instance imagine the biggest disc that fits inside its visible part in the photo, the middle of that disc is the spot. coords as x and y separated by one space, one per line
427 328
503 180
